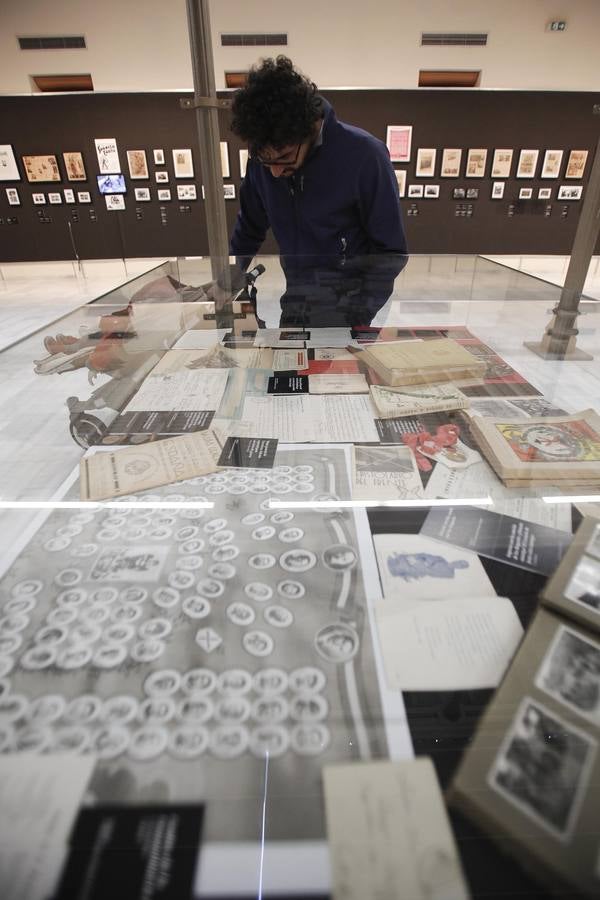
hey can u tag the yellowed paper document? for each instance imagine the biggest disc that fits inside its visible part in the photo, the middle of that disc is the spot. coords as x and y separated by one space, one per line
338 384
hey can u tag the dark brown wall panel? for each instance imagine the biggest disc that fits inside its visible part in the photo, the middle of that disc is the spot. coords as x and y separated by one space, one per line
440 119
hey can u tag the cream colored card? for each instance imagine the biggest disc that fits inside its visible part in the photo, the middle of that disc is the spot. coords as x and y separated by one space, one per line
289 360
448 644
338 384
388 833
181 391
214 357
385 472
413 400
131 469
330 354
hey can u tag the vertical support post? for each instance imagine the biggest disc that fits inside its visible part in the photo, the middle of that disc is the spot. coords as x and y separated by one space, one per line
559 340
207 125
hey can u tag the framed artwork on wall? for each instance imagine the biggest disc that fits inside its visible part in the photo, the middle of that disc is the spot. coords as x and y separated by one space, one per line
544 193
401 179
570 192
38 199
159 157
525 193
229 191
224 159
186 192
415 190
472 193
142 195
162 177
398 140
108 155
451 158
425 162
501 163
243 163
576 163
551 164
115 201
164 194
138 164
8 164
55 199
74 166
69 195
498 190
12 195
41 168
476 159
183 163
459 193
432 190
527 163
84 196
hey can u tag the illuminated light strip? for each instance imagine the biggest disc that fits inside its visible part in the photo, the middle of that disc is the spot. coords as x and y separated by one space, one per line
362 738
575 498
263 830
359 504
331 471
112 504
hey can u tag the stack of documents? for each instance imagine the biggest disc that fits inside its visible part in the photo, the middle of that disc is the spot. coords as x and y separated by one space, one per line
421 362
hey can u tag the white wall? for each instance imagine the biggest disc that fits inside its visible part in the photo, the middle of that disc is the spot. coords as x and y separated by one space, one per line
142 44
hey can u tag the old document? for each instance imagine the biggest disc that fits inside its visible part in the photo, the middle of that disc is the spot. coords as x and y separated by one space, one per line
388 833
413 400
332 419
131 469
181 391
385 472
338 384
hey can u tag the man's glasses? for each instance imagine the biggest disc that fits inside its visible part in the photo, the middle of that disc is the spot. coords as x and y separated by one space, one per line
285 160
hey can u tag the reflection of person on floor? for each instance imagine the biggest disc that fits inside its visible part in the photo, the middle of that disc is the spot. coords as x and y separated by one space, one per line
328 192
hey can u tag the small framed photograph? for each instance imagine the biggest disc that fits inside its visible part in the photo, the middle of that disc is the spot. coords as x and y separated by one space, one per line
164 194
69 195
432 190
498 190
243 162
108 155
525 193
224 159
84 196
451 158
186 192
401 179
415 190
12 195
38 199
159 157
161 177
570 192
55 199
41 168
9 170
229 191
115 201
570 673
459 193
551 164
142 195
584 584
183 163
472 193
527 163
138 164
74 166
398 140
576 164
476 159
501 163
544 193
425 162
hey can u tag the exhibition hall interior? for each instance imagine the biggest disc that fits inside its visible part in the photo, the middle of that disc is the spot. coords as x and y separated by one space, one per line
300 450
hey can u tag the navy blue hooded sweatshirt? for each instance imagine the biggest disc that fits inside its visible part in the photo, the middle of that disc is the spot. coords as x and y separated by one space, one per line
340 210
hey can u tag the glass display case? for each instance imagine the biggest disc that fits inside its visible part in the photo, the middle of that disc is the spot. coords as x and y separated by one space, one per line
348 578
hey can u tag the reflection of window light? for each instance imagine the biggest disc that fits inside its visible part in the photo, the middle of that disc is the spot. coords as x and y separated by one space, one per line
111 504
358 504
577 498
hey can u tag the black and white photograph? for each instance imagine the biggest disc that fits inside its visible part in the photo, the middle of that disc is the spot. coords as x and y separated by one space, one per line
525 193
142 195
432 190
570 192
415 190
38 199
84 196
544 193
186 192
183 163
159 157
161 177
229 191
472 193
164 194
584 584
498 190
543 767
55 198
570 673
459 193
69 195
12 195
115 201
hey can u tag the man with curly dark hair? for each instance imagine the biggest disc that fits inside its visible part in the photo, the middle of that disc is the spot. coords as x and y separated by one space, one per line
328 192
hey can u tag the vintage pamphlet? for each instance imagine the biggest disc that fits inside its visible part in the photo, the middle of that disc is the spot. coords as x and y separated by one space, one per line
415 399
385 472
129 469
421 362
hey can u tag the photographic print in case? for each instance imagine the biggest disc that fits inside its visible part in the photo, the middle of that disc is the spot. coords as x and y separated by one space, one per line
501 163
425 162
451 158
476 160
570 673
138 164
74 166
527 163
398 140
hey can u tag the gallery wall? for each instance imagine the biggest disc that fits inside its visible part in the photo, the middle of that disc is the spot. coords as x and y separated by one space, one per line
142 44
451 119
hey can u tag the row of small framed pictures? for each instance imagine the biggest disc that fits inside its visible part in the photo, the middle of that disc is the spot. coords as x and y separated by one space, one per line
142 195
565 191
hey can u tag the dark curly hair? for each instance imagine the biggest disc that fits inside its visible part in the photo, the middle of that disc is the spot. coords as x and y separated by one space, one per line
278 106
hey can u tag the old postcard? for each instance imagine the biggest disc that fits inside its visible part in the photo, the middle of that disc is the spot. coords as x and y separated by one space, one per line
385 472
415 399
